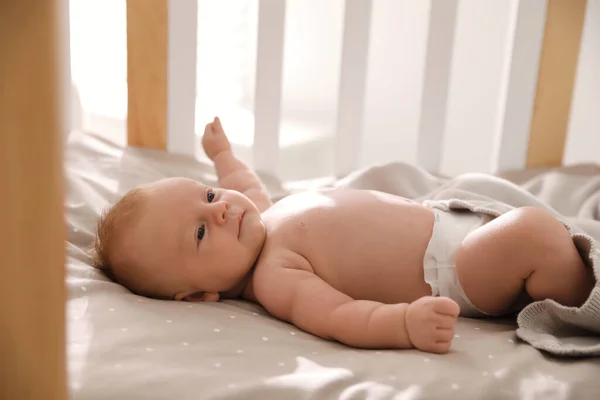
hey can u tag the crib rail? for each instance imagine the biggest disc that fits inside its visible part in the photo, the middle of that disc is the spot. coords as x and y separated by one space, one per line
556 78
161 75
269 78
353 81
440 39
541 53
519 80
32 294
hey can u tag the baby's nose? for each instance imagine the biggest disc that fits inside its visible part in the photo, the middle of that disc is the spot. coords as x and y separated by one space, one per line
222 209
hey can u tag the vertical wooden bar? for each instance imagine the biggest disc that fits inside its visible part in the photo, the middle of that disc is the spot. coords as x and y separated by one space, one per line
523 49
353 80
147 42
556 77
32 293
269 77
438 59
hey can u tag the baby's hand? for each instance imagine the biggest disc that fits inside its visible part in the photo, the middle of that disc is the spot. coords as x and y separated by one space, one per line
214 140
430 323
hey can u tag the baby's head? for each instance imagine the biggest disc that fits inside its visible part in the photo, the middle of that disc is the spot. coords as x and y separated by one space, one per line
179 239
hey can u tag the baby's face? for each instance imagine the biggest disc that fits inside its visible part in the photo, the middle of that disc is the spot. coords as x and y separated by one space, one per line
195 239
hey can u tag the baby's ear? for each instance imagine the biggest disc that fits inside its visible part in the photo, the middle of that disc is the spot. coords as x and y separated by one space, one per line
197 296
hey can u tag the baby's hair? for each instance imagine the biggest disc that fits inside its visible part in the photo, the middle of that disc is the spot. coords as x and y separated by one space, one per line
111 224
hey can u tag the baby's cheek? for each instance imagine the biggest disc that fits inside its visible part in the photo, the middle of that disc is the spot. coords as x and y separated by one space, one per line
228 258
240 199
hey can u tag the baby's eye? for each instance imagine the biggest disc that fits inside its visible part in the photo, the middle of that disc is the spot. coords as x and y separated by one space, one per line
210 196
200 233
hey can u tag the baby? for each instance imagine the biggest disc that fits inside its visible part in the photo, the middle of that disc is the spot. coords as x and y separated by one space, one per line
362 267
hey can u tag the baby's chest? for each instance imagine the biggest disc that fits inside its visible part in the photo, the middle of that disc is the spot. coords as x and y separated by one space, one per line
342 226
330 230
337 242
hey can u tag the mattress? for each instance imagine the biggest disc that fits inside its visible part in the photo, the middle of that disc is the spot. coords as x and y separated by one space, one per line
123 346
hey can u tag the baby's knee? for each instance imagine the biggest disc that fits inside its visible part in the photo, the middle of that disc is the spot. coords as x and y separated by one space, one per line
534 222
541 232
521 238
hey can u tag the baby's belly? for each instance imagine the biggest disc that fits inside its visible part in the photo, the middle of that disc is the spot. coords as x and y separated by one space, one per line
370 277
377 257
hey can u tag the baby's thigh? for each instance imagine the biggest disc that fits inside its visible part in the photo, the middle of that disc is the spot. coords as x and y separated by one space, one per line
493 262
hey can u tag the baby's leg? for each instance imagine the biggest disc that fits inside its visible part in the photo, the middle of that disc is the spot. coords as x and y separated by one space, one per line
525 249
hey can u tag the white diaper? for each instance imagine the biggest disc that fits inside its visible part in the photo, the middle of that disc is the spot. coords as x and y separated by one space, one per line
449 230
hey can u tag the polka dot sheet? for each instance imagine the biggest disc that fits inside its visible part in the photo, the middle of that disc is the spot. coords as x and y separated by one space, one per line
236 350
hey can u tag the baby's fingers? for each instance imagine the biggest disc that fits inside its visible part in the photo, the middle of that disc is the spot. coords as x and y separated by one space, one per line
217 127
443 335
208 129
441 347
446 306
444 321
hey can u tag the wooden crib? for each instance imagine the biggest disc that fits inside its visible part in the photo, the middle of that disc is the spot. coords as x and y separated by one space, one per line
535 113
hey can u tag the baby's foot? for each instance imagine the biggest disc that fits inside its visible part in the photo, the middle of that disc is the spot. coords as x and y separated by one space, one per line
430 323
214 140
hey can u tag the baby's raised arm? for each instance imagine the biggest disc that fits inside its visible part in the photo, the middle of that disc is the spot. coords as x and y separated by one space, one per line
232 172
304 299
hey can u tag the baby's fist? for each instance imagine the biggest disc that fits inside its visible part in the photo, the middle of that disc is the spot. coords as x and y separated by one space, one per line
430 323
214 140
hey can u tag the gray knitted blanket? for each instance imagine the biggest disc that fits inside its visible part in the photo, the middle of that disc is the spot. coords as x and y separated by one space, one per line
571 194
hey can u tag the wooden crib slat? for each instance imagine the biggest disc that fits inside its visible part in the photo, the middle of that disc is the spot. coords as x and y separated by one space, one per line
147 40
161 74
269 77
32 287
432 123
352 89
522 58
556 78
